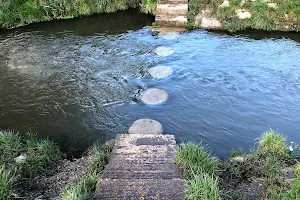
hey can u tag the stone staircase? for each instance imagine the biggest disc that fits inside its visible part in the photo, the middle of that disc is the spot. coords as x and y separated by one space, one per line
141 168
172 14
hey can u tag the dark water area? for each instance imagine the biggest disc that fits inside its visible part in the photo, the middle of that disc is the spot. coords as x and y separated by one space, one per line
73 81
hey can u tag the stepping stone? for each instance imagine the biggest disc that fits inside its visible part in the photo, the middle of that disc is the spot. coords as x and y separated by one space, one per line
146 126
164 51
169 35
160 71
154 96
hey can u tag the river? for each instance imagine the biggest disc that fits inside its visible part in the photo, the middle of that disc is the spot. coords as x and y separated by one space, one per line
73 81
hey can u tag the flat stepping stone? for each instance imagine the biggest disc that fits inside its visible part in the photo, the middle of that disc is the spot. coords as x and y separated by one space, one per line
154 96
169 35
146 126
164 51
160 72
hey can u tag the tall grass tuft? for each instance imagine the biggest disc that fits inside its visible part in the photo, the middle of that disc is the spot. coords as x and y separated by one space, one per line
7 180
192 158
200 170
272 143
10 146
82 190
42 156
203 186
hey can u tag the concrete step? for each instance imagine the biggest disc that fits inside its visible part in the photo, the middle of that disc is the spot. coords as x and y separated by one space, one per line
141 139
141 167
141 159
178 1
172 9
144 149
179 21
137 189
132 174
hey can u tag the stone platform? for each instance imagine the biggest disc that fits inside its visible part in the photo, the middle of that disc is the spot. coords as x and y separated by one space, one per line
172 14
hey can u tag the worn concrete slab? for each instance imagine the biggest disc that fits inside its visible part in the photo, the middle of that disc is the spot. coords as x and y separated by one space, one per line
141 167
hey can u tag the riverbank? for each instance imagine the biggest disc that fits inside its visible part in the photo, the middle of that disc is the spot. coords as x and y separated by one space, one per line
36 169
271 170
19 13
239 15
229 15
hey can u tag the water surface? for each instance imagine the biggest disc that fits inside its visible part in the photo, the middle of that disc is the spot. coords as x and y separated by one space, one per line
74 82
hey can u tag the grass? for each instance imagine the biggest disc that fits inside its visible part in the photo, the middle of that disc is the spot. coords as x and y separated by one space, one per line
10 146
210 179
192 158
14 13
41 157
285 16
200 171
272 143
266 163
7 180
84 189
203 186
148 6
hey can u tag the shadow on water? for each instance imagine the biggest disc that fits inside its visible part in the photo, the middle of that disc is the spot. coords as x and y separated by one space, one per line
260 35
111 24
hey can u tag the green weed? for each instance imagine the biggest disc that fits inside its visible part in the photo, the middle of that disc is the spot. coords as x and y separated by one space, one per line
192 158
7 180
203 186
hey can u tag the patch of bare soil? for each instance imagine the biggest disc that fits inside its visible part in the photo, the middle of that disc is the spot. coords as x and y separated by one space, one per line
49 187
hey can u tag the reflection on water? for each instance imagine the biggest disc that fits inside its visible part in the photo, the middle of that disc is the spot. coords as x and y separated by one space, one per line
73 81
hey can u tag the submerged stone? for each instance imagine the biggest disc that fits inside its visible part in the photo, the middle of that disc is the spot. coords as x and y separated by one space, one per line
146 126
164 51
160 71
169 35
154 96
